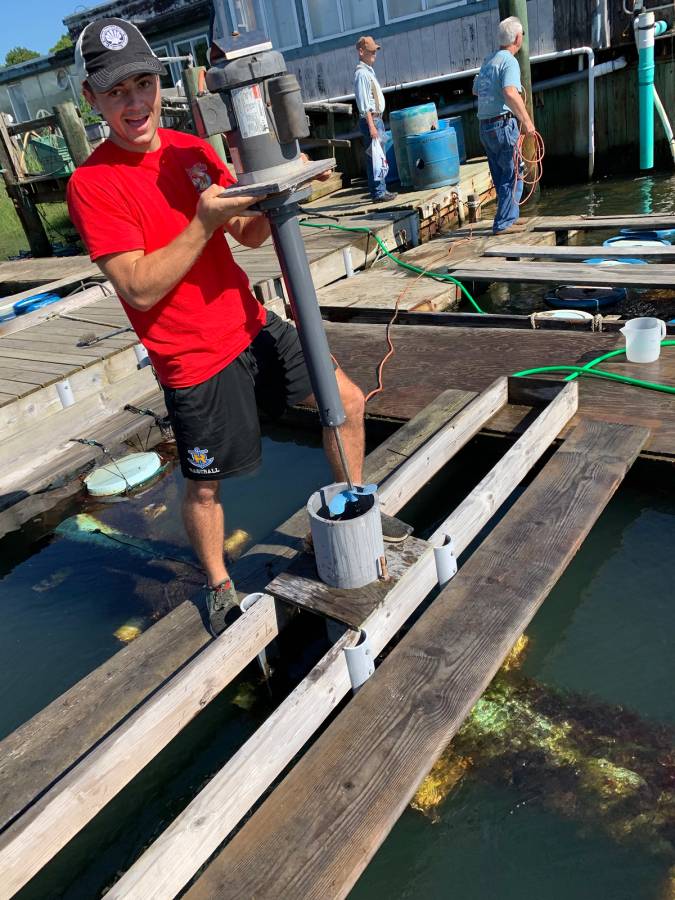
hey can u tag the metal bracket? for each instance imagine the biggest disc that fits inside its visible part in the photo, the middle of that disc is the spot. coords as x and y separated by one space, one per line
446 561
360 661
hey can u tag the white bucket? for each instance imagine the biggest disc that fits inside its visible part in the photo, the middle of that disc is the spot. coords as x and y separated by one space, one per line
643 338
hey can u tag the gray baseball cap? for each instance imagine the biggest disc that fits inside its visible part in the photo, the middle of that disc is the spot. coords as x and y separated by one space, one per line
110 50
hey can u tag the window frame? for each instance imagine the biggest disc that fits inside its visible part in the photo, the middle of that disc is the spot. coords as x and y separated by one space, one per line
173 41
291 3
425 12
331 37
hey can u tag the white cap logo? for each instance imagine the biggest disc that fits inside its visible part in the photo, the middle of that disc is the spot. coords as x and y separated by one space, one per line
114 38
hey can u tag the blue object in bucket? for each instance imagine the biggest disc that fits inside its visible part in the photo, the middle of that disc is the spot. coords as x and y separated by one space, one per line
37 301
455 122
637 241
339 502
392 174
433 159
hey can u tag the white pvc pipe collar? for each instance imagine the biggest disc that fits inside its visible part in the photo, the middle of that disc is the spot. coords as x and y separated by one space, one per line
446 561
65 392
360 661
348 263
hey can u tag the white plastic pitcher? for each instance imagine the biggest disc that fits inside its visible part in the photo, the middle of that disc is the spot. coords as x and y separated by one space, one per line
643 338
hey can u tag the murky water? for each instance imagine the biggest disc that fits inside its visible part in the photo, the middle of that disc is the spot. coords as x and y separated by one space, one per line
644 194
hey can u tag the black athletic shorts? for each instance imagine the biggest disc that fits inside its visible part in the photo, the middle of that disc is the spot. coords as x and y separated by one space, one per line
216 423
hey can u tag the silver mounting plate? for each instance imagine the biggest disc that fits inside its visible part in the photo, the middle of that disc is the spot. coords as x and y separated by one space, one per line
310 171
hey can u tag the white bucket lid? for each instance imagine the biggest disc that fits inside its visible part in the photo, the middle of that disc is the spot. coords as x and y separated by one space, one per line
117 476
563 314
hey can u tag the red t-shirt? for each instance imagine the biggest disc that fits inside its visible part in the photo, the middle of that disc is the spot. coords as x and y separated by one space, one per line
119 201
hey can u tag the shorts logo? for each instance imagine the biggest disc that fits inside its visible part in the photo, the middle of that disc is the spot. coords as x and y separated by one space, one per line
200 458
113 37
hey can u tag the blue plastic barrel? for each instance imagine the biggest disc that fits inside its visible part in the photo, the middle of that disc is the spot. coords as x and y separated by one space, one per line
588 298
456 123
433 159
37 301
404 122
392 174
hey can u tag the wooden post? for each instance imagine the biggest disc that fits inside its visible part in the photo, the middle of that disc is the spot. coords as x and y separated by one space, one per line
519 8
20 196
72 128
191 77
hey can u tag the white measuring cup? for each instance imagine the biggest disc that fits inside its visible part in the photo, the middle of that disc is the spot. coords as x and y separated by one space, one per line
643 338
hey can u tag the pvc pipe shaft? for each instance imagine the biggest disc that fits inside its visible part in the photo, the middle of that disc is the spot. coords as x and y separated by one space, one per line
292 255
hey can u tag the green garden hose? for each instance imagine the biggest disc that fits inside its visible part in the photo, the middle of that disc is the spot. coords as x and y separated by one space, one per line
437 276
588 369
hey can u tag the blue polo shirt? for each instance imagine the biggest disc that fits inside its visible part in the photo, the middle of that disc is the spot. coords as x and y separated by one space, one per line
498 71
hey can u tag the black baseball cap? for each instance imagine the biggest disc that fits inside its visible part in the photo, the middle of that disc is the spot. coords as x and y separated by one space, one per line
110 50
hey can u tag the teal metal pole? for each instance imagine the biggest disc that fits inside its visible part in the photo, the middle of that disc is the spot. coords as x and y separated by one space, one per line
645 42
646 30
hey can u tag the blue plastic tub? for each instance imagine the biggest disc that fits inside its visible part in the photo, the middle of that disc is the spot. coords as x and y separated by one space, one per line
433 159
404 122
455 122
589 298
37 301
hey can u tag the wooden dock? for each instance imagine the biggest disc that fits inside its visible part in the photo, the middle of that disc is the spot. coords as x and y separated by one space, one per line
404 714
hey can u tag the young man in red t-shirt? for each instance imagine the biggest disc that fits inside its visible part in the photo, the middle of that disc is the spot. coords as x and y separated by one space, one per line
147 204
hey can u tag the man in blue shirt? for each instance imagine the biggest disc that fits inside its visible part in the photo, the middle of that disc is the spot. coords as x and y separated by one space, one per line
370 103
501 115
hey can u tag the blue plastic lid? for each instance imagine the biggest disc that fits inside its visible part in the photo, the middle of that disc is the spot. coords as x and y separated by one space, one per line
422 109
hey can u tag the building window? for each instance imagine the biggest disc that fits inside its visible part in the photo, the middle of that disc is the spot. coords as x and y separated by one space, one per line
165 81
280 21
331 18
407 9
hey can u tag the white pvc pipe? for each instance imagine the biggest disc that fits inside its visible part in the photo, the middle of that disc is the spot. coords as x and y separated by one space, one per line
665 122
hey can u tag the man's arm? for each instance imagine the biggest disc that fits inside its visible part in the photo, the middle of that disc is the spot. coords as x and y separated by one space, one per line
515 103
143 279
251 231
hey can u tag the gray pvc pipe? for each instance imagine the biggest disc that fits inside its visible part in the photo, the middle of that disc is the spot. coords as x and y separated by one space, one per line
305 306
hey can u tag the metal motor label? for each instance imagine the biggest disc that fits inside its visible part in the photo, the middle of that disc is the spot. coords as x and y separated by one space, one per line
249 108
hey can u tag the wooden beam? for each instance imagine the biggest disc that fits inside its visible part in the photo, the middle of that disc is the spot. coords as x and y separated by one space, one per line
31 125
55 818
34 756
70 122
476 510
316 833
589 223
570 253
423 465
483 269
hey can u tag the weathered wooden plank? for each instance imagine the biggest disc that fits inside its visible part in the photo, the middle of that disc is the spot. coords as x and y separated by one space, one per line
67 304
515 251
300 585
37 836
34 755
588 223
483 269
316 833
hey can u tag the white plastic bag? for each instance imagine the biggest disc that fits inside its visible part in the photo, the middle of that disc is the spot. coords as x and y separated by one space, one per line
380 164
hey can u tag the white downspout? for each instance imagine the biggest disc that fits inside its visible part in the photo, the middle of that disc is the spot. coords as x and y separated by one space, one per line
665 122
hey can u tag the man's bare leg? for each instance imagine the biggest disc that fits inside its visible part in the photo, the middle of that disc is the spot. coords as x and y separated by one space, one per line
205 526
